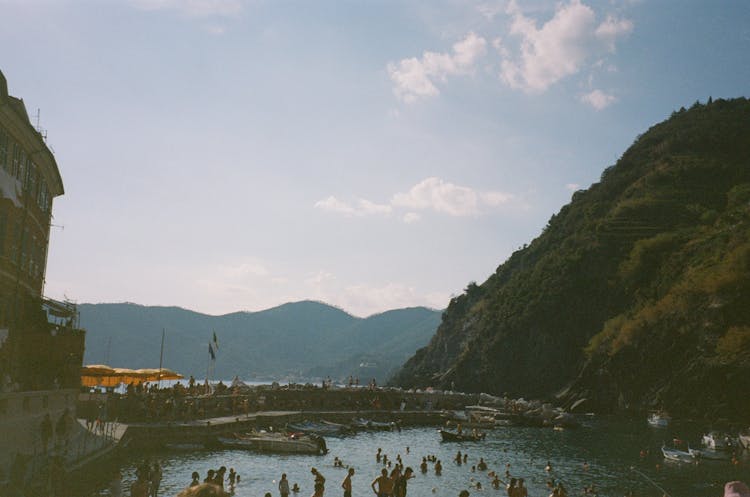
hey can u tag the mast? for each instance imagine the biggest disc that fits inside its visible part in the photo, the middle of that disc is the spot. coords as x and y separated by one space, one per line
161 355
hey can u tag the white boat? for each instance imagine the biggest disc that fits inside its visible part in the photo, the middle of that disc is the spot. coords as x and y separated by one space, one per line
710 454
276 443
745 440
677 455
659 419
716 441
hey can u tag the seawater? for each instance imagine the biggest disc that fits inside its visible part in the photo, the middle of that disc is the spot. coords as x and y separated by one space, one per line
610 447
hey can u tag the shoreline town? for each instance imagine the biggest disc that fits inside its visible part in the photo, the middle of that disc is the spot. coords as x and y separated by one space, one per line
56 439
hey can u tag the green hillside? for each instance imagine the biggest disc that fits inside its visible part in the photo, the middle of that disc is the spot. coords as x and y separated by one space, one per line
298 339
636 294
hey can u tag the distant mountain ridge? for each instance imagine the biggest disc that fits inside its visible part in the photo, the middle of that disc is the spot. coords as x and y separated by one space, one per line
298 339
635 295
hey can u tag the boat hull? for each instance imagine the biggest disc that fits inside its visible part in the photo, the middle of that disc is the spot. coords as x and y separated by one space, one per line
449 436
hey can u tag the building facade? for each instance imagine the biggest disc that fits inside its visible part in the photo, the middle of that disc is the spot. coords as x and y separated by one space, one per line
41 349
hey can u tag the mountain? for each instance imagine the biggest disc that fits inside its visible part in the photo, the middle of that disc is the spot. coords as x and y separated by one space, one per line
636 294
298 339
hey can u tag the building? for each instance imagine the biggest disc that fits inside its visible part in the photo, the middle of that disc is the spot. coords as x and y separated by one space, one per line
41 349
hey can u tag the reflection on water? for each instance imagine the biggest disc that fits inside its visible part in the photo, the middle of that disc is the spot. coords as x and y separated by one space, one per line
611 447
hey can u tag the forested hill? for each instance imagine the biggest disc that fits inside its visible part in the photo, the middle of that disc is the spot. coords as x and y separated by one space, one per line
637 293
293 340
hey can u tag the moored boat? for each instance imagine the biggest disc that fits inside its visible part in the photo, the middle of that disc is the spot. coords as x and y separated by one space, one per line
709 454
276 443
744 440
659 419
323 429
370 425
716 441
677 455
451 436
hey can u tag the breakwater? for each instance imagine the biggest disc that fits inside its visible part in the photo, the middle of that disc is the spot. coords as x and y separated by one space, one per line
158 418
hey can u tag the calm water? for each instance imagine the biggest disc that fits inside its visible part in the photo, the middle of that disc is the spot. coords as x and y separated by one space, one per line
611 447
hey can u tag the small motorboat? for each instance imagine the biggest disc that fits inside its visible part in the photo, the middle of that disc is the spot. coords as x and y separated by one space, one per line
745 440
710 454
322 429
277 443
677 455
659 419
717 441
370 425
452 436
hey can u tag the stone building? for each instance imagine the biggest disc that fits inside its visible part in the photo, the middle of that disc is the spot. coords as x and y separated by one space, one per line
41 349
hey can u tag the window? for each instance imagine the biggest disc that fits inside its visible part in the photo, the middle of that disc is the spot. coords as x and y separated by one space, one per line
3 224
4 149
16 159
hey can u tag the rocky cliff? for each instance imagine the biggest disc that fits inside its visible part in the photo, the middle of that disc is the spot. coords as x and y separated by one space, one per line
636 294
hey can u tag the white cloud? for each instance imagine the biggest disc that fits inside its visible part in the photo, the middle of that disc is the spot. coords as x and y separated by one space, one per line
490 10
414 78
496 199
411 217
363 207
333 204
612 29
445 197
194 8
364 300
215 29
433 194
560 48
572 186
598 99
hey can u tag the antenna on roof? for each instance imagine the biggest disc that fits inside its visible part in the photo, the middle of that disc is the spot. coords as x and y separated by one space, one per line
38 127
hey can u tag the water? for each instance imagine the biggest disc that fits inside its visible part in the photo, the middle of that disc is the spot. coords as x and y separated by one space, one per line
611 447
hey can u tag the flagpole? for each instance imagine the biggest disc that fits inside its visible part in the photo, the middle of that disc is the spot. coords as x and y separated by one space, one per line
161 356
208 368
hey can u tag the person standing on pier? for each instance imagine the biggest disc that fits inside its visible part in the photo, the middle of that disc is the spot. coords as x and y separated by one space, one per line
46 430
347 483
284 486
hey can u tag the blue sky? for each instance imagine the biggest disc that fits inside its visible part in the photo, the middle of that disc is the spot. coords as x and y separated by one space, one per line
225 155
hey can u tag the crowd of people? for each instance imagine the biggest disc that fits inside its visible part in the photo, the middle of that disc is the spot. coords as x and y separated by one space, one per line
191 401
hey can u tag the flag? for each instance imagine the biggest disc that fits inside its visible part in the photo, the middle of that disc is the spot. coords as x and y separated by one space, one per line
211 351
216 342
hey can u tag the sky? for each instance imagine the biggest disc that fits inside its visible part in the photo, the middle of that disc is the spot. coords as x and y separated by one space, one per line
232 155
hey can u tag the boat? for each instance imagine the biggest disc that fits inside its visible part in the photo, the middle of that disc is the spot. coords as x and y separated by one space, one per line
677 455
451 436
185 446
710 454
321 429
370 425
340 428
716 441
277 443
744 440
659 419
